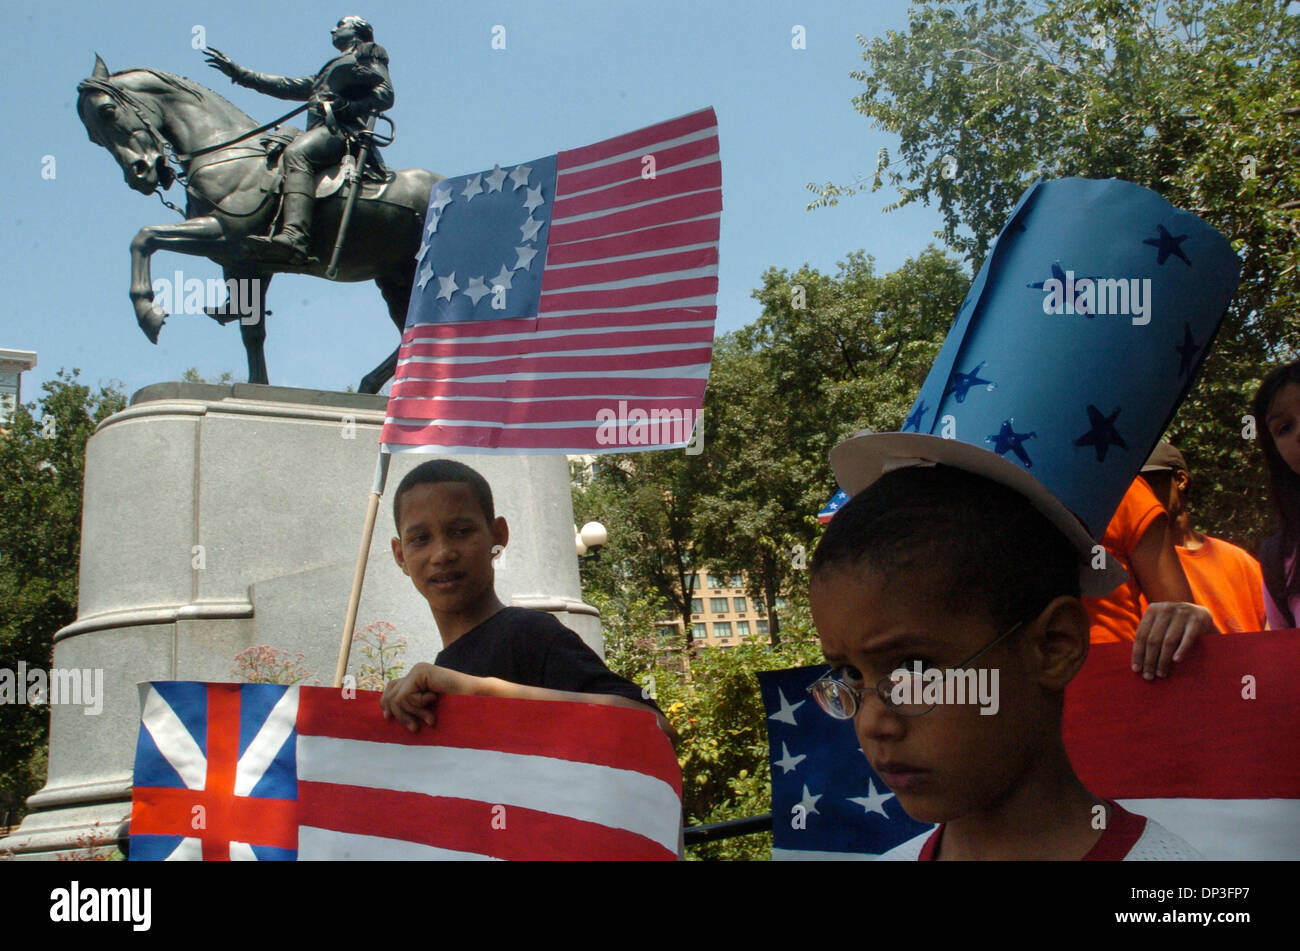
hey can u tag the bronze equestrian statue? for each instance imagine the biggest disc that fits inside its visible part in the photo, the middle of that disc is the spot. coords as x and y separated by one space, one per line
342 95
149 119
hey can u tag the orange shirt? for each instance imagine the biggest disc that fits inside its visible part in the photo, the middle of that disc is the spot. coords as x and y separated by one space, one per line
1116 616
1228 581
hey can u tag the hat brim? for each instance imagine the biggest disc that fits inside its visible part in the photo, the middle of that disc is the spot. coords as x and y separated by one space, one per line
862 459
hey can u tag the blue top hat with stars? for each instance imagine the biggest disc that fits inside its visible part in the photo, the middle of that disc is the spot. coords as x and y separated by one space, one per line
1078 340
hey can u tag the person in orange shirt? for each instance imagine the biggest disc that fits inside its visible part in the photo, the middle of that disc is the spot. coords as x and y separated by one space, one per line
1226 579
1155 609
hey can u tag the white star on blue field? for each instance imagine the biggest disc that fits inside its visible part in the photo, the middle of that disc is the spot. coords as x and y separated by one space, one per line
786 713
826 800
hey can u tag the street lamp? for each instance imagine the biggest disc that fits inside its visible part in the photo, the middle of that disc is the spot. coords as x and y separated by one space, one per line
590 540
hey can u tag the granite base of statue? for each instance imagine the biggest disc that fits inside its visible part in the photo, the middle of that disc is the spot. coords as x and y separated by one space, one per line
218 518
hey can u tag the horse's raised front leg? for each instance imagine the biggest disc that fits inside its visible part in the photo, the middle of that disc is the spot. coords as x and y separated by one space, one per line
200 236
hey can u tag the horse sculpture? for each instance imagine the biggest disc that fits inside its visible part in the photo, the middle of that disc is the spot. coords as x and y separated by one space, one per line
145 116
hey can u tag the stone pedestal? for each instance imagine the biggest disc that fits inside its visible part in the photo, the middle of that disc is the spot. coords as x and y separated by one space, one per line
217 518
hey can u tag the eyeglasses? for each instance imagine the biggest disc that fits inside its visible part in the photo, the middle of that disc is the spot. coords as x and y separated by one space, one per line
841 700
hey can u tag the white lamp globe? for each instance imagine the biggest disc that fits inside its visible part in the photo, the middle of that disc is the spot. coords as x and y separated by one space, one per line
593 535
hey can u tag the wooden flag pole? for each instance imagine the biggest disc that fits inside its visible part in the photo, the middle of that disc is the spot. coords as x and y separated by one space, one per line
359 576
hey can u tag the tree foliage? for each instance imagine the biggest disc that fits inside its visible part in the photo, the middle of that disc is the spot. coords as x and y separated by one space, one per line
43 463
1187 98
645 500
192 375
830 354
718 715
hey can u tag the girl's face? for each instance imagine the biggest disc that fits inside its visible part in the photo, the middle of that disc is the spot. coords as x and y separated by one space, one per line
1283 424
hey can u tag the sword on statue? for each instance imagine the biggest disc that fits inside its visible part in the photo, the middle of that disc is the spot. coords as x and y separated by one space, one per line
353 185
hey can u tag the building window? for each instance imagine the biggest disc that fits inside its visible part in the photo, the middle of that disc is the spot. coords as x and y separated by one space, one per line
715 581
699 630
737 581
697 605
742 629
740 605
667 631
718 605
721 628
781 603
762 628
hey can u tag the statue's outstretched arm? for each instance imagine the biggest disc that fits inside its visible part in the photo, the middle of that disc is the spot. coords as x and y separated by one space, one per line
281 87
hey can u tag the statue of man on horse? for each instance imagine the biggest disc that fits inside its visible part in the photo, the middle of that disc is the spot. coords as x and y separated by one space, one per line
163 129
349 89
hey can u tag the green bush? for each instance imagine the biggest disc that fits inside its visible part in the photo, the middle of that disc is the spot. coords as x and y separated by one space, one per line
713 703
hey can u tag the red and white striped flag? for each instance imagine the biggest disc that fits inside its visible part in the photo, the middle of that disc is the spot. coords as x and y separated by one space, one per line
1212 752
263 771
566 305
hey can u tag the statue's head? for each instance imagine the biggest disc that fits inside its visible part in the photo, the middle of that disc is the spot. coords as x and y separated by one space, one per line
349 30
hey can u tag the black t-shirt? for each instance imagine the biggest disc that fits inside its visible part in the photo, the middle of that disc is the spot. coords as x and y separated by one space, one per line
533 648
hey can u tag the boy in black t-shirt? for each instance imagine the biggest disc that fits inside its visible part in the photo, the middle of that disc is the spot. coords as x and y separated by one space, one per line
448 536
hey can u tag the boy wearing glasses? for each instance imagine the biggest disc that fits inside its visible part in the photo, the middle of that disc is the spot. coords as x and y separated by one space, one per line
970 539
937 569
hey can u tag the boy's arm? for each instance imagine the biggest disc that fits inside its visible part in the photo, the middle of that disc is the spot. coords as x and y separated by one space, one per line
1156 568
411 699
1173 621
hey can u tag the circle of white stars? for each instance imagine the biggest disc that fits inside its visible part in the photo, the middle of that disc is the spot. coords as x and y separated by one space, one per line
479 286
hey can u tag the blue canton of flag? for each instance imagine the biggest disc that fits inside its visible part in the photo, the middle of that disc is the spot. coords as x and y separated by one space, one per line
827 803
487 233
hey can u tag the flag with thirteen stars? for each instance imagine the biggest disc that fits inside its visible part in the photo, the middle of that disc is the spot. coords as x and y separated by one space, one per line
566 304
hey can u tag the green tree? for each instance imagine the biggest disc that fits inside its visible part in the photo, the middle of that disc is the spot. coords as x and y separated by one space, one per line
722 727
646 501
192 375
633 646
829 355
1188 98
40 544
718 713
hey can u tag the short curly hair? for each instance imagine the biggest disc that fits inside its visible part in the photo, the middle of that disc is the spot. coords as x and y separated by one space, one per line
444 470
958 536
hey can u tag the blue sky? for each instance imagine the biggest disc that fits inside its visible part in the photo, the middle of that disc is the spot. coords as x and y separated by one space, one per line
572 73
